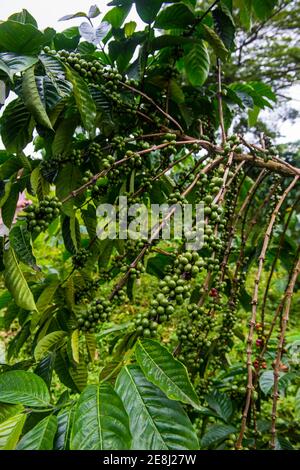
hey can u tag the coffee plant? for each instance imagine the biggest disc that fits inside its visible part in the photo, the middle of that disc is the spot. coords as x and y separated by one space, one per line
143 343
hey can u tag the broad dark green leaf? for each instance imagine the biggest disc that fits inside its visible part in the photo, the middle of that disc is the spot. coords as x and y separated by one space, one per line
40 186
224 26
100 421
20 242
10 205
12 63
21 38
41 437
45 368
64 426
196 62
26 388
214 41
73 377
16 126
215 434
221 404
147 11
175 16
282 443
116 16
156 423
84 100
164 371
264 9
10 431
32 99
16 282
69 178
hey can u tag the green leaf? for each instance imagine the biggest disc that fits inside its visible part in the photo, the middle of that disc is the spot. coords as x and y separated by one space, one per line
7 411
16 282
10 431
74 378
69 178
16 126
91 345
100 421
75 345
23 17
20 38
116 16
282 443
46 297
64 426
22 387
84 100
79 14
216 433
263 10
45 368
147 11
32 99
11 63
224 25
130 28
221 404
41 437
175 16
20 242
167 40
196 62
164 371
253 116
10 205
215 42
40 186
47 344
63 136
156 423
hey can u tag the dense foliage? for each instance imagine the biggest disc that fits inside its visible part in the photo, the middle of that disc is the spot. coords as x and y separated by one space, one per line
144 344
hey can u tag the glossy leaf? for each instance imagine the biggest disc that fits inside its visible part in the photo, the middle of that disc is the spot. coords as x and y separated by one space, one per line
7 411
215 434
21 38
16 126
164 371
16 282
64 425
84 101
32 99
40 186
156 423
41 437
100 421
175 16
221 404
12 63
10 431
147 11
23 17
74 378
26 388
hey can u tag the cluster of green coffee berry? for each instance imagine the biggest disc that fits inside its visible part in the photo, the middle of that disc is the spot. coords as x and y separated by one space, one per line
80 258
39 216
99 311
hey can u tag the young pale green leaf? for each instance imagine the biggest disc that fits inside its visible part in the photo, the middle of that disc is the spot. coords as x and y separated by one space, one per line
100 421
19 238
156 422
16 282
48 343
164 371
64 426
21 38
10 431
12 63
84 100
25 388
175 16
215 434
41 437
16 126
75 345
196 62
147 11
32 99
